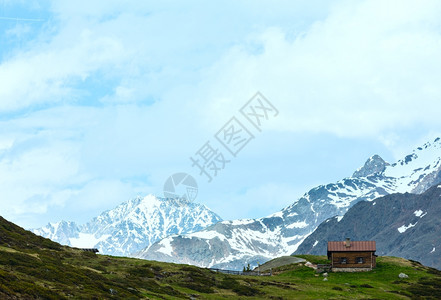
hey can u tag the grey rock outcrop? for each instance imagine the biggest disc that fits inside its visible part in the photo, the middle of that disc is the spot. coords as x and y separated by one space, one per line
375 164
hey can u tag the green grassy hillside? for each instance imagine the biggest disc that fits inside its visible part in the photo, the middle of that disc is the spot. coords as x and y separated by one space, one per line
32 267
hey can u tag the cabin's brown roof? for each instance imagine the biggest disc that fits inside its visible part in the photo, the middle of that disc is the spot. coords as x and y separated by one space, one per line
355 246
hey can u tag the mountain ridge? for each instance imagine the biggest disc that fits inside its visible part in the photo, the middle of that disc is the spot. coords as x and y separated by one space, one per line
132 225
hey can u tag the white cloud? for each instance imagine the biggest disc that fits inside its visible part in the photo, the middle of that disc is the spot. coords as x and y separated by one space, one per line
361 72
48 74
142 49
30 178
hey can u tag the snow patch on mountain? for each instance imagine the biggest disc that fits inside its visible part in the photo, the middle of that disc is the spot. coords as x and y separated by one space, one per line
240 222
207 235
166 247
301 224
404 228
419 213
87 240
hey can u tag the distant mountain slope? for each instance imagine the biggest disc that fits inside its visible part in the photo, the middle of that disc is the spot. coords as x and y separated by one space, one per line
132 225
233 244
404 225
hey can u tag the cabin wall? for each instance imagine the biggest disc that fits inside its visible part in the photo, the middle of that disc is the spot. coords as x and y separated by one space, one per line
368 259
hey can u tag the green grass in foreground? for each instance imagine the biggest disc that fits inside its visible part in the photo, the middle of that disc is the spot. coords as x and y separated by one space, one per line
35 268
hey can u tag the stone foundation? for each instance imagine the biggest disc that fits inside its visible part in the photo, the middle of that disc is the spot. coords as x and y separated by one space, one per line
351 269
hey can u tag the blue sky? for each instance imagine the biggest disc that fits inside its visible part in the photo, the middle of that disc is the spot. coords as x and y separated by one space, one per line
101 101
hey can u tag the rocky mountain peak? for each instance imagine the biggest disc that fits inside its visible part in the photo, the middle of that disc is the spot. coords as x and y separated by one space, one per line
375 164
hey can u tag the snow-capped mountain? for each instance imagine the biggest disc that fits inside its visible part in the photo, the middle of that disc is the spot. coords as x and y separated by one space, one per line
404 225
233 244
61 232
132 225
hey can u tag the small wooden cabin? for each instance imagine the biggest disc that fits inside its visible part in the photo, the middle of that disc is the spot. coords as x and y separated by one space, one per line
352 256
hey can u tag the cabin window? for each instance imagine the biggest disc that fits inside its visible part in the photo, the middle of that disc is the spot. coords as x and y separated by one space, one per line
360 260
343 260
